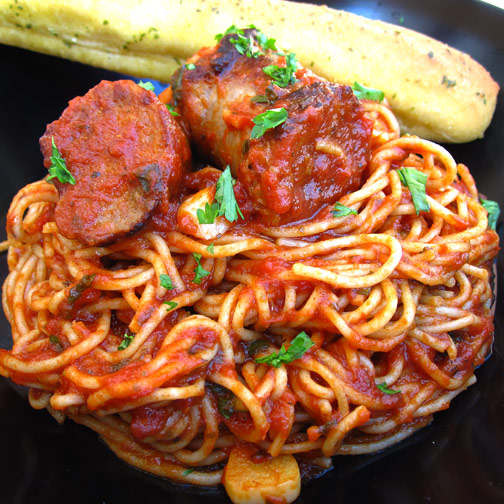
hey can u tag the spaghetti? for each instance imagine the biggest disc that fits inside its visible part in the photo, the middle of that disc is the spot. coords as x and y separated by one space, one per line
397 306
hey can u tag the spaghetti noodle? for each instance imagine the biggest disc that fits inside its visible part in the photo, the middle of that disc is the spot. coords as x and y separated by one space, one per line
397 305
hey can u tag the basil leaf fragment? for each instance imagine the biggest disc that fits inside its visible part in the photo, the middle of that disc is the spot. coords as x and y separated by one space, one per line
268 120
365 93
200 271
127 339
341 210
383 387
85 282
147 85
299 345
415 181
225 399
58 168
493 209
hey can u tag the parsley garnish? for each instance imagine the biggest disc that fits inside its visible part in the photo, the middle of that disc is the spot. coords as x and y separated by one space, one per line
231 29
172 110
207 216
225 197
85 282
171 305
415 181
58 167
225 399
383 387
283 76
146 85
448 82
200 271
190 66
165 282
493 209
246 45
267 120
187 471
365 93
299 345
55 341
210 248
127 339
225 201
341 210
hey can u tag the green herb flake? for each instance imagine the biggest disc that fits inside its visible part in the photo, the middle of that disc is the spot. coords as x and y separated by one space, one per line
268 120
225 197
415 181
299 346
171 305
210 248
147 85
165 282
58 167
448 82
225 399
85 283
383 387
283 76
493 209
341 210
172 110
366 93
55 341
256 346
127 339
105 22
200 272
231 29
208 214
187 471
190 66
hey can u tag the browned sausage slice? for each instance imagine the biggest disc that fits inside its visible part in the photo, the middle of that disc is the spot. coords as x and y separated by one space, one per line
127 155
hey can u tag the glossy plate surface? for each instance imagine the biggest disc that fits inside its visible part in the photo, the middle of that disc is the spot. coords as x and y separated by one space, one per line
459 458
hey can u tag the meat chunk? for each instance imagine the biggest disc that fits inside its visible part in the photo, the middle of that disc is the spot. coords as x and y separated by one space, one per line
127 155
317 155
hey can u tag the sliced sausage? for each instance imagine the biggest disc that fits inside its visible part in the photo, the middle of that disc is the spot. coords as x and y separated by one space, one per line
127 155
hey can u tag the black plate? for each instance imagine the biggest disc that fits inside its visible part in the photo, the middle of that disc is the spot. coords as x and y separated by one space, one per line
459 458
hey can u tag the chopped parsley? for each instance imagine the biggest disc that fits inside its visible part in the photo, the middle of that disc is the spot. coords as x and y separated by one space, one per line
165 282
225 197
283 76
341 210
187 471
200 272
247 45
208 214
415 181
299 346
225 399
55 341
85 282
383 387
58 167
268 120
366 93
225 201
147 85
127 339
190 66
210 248
172 110
493 209
448 82
171 305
